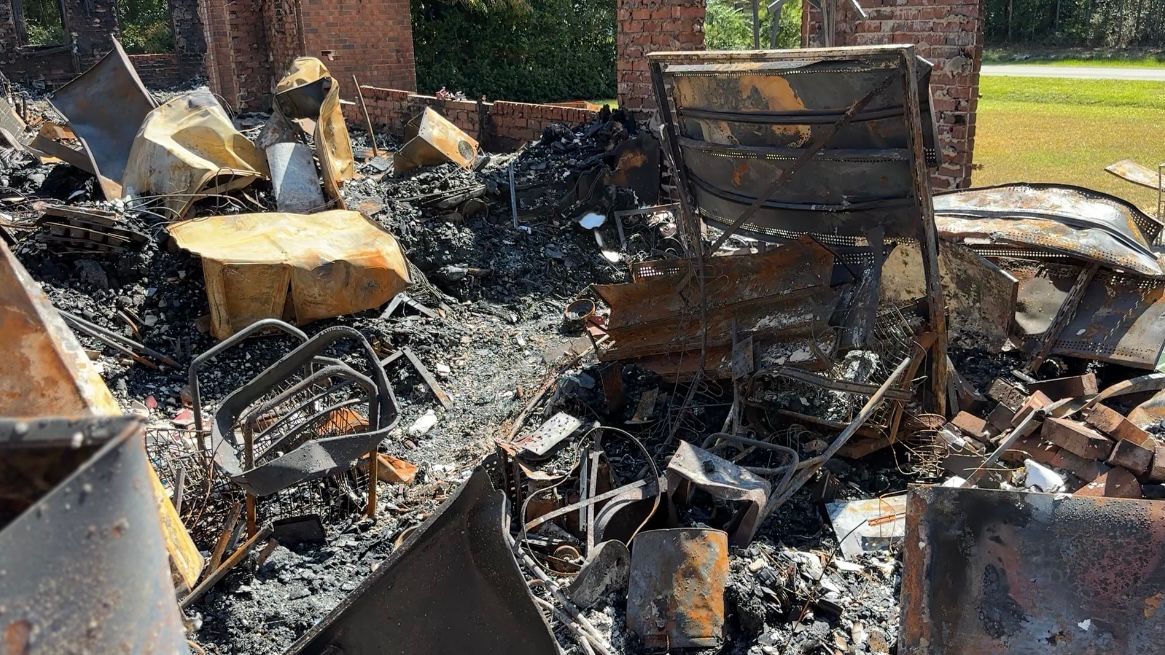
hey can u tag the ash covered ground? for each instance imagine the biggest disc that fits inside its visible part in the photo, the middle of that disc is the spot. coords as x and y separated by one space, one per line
500 336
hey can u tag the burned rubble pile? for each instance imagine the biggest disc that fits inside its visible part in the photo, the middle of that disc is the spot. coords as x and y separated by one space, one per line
729 381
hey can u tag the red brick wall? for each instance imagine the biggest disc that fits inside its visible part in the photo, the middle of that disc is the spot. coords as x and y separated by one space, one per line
281 19
949 34
647 26
370 38
160 71
253 42
515 122
88 28
240 66
506 124
220 61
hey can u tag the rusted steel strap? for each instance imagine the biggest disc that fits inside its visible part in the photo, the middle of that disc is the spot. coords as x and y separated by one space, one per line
585 503
850 430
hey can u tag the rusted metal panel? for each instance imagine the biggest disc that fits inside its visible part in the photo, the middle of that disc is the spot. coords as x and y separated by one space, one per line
775 296
1119 319
1131 171
453 587
738 100
691 466
46 371
437 141
105 106
675 598
980 296
742 120
1057 219
83 557
998 572
852 124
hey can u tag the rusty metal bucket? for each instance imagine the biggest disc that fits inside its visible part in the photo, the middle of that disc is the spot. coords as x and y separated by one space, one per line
82 554
675 598
992 572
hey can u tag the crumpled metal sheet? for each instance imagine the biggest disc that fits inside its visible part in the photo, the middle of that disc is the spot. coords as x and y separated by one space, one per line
980 296
779 296
1120 318
309 91
453 587
84 558
437 141
721 479
1131 171
105 106
1000 572
303 266
46 371
1052 218
187 148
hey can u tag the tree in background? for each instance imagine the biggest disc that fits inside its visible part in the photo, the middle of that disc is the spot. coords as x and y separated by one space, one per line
728 25
1076 23
145 26
43 24
532 50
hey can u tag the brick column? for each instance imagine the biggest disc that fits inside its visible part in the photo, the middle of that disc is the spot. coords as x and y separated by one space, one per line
371 38
646 26
949 34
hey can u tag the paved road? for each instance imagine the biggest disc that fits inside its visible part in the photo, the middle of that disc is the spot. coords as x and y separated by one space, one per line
1076 72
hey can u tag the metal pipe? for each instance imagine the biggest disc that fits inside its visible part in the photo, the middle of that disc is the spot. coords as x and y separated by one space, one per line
367 118
513 196
124 339
125 350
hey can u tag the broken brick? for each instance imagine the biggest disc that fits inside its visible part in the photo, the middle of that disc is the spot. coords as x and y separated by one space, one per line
1007 394
1115 425
1000 418
1114 483
1069 387
1077 438
1033 448
1157 470
970 425
1137 459
1085 469
1034 402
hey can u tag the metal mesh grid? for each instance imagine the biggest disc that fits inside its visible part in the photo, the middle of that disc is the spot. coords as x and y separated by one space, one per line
798 399
207 495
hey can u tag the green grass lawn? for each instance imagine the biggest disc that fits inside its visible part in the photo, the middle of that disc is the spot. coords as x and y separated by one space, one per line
1053 130
1101 58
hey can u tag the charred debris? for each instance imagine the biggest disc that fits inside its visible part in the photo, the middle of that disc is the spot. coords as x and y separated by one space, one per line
733 380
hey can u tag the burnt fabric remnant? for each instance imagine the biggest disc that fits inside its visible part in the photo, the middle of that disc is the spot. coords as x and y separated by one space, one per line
724 379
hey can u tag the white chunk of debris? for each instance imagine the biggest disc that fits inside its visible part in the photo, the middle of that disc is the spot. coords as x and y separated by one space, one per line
1041 477
423 424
